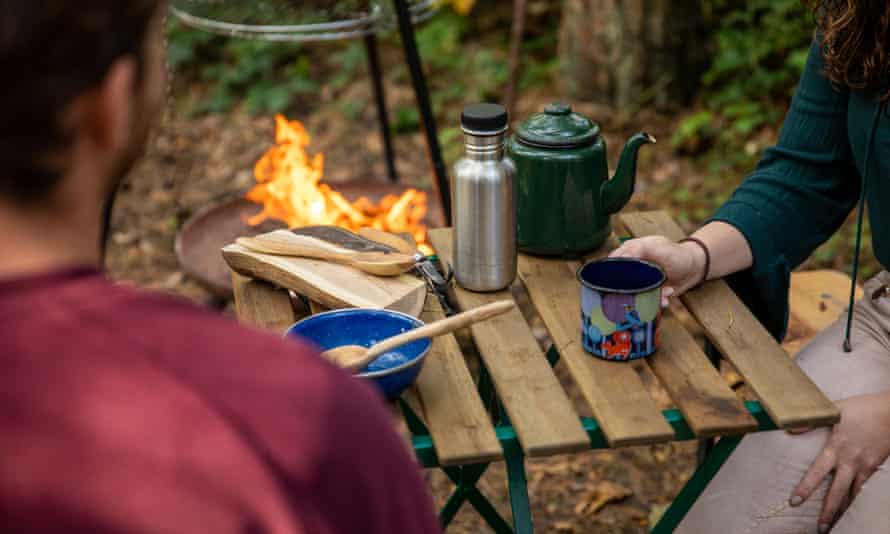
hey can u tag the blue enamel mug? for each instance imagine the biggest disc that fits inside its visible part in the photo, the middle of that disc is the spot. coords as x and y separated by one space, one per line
620 307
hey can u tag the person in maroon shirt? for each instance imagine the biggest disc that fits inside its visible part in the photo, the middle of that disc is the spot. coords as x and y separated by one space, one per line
127 412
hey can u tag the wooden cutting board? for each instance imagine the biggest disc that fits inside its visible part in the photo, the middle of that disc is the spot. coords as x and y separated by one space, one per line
331 285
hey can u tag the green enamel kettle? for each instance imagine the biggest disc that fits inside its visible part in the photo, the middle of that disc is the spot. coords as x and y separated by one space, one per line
565 196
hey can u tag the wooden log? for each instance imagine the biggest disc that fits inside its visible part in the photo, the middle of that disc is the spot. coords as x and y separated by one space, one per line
261 304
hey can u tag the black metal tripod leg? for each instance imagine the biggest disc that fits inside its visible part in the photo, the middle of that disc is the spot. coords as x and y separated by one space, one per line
380 100
412 56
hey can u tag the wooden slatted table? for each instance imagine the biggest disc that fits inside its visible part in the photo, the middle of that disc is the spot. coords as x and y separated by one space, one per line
456 426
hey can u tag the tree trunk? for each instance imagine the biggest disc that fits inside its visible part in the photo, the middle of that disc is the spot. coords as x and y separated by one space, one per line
514 60
631 53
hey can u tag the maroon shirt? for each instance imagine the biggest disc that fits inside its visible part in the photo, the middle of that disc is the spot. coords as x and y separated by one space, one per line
122 411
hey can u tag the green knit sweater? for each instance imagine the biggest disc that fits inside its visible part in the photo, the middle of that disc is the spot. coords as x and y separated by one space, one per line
803 189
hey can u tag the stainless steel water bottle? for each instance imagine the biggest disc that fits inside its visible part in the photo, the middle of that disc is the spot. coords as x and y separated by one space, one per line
484 203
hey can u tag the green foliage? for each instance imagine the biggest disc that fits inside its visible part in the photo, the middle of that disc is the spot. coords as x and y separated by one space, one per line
695 125
439 40
351 109
350 60
451 138
407 119
538 73
758 50
264 76
761 48
460 73
185 45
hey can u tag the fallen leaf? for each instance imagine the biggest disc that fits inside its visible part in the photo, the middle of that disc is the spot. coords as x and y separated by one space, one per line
602 494
605 457
661 453
537 477
564 526
124 238
655 513
559 469
584 502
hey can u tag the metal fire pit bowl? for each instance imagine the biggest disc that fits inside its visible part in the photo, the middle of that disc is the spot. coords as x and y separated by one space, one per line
203 235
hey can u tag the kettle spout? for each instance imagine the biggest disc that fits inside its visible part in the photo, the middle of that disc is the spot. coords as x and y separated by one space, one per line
616 192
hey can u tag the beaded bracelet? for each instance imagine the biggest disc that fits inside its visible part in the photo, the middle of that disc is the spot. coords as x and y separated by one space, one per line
707 252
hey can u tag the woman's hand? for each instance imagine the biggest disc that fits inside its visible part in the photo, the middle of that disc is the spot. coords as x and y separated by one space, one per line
857 446
684 263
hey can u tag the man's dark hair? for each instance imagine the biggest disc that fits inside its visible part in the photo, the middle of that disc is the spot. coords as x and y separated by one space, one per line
51 52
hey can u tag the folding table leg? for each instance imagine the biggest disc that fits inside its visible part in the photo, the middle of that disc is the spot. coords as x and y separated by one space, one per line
515 459
466 478
696 485
415 424
452 506
519 501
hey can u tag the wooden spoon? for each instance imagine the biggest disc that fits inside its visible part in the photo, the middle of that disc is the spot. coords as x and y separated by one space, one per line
388 239
356 357
286 243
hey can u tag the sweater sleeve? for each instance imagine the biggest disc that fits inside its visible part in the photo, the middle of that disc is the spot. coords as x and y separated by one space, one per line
797 197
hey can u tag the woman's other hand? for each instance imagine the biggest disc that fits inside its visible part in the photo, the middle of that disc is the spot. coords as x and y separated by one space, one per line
684 263
856 447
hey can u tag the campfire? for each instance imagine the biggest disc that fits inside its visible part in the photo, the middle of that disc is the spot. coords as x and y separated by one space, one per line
289 188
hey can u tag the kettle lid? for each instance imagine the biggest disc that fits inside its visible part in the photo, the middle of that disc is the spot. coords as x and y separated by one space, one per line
558 127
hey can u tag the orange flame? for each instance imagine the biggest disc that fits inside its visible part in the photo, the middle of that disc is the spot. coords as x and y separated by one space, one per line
289 188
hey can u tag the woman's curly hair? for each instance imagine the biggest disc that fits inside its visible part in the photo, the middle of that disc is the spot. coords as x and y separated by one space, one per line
856 43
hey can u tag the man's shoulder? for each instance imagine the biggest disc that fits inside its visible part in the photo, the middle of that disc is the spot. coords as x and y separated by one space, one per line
168 319
205 346
162 376
207 349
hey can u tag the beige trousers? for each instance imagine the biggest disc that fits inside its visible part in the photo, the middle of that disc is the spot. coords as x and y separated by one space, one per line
750 493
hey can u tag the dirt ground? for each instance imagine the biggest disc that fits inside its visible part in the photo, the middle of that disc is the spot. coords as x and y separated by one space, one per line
194 162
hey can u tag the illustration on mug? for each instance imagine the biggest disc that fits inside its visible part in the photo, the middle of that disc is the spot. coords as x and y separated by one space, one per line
617 326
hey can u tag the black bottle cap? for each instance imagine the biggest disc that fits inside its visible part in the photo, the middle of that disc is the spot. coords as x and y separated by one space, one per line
484 118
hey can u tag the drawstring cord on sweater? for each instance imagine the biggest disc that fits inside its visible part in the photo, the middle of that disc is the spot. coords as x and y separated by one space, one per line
848 347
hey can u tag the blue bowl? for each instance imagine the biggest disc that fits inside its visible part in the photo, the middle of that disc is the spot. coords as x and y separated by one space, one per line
393 371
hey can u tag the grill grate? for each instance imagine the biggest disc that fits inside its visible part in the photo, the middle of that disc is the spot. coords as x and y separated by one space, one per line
295 21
